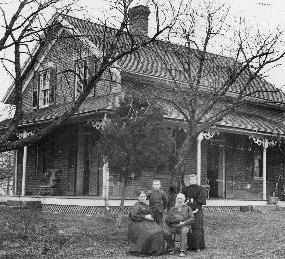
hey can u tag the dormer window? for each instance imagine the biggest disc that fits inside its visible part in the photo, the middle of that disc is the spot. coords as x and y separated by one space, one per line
81 77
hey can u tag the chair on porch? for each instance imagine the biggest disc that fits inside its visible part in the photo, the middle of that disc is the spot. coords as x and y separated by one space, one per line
50 182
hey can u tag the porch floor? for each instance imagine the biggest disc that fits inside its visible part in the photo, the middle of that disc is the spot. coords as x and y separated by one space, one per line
115 202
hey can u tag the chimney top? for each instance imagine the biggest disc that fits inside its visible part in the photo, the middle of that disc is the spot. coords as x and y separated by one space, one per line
138 18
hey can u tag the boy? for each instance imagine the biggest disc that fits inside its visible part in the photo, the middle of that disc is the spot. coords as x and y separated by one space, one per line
157 201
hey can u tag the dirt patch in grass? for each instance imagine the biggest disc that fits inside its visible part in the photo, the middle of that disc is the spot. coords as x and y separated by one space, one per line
34 234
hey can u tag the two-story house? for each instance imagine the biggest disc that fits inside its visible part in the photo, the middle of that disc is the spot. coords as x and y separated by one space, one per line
237 159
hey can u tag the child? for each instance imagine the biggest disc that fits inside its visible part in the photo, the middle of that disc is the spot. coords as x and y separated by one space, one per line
157 201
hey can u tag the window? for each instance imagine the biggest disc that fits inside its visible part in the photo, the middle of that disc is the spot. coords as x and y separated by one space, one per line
81 69
45 87
257 166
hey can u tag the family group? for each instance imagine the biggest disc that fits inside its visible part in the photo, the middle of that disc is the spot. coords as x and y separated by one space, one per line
154 227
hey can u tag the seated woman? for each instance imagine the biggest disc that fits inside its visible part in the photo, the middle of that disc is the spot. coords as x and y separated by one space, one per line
145 237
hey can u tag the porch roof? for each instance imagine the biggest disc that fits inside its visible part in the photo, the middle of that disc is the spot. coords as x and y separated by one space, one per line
90 105
269 124
260 121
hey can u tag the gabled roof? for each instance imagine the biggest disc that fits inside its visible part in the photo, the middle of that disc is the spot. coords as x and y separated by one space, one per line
152 60
148 62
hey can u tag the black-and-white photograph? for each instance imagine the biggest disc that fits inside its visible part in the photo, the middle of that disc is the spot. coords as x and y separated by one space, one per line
142 129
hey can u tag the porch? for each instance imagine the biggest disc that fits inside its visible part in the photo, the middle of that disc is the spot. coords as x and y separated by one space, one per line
237 160
231 166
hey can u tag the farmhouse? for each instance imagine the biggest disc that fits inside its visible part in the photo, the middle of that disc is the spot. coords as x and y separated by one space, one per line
237 159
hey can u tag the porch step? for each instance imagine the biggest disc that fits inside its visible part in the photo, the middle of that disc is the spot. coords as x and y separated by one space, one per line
24 204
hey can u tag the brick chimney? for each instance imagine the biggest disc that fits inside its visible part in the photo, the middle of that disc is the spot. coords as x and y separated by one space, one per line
138 19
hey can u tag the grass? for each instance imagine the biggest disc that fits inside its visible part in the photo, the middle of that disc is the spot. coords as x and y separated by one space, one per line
34 234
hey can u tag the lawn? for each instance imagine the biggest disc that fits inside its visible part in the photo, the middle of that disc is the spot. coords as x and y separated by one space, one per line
34 234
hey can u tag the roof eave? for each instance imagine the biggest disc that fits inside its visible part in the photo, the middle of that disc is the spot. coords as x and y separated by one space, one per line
157 80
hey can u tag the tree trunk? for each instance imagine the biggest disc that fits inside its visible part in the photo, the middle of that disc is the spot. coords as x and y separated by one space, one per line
182 155
121 211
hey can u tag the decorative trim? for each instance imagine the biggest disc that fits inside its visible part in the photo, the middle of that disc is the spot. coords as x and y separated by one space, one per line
27 133
263 141
207 135
99 124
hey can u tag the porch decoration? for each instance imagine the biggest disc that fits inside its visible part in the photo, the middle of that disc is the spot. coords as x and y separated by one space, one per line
209 134
263 141
99 124
26 133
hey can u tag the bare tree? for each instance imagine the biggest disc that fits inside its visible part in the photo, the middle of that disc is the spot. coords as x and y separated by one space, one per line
202 88
112 46
21 32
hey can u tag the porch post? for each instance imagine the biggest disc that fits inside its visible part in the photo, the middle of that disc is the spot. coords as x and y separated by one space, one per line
265 146
24 171
199 140
15 172
105 190
224 171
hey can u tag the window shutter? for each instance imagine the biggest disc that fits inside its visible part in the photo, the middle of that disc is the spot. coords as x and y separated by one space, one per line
35 96
53 82
78 85
40 89
91 71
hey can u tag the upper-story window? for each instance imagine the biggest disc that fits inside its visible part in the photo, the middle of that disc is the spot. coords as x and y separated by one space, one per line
82 74
44 88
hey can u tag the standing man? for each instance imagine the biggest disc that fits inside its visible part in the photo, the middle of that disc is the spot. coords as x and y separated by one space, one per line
195 198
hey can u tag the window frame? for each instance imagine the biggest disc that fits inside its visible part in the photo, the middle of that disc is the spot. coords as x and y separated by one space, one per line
45 87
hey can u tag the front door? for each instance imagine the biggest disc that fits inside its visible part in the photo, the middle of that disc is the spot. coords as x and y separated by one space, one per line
86 166
72 151
216 171
87 178
213 170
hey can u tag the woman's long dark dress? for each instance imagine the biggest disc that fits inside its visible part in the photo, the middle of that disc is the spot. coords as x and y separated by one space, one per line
144 236
198 195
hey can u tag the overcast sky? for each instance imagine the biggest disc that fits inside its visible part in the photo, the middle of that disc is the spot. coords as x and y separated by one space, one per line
267 14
